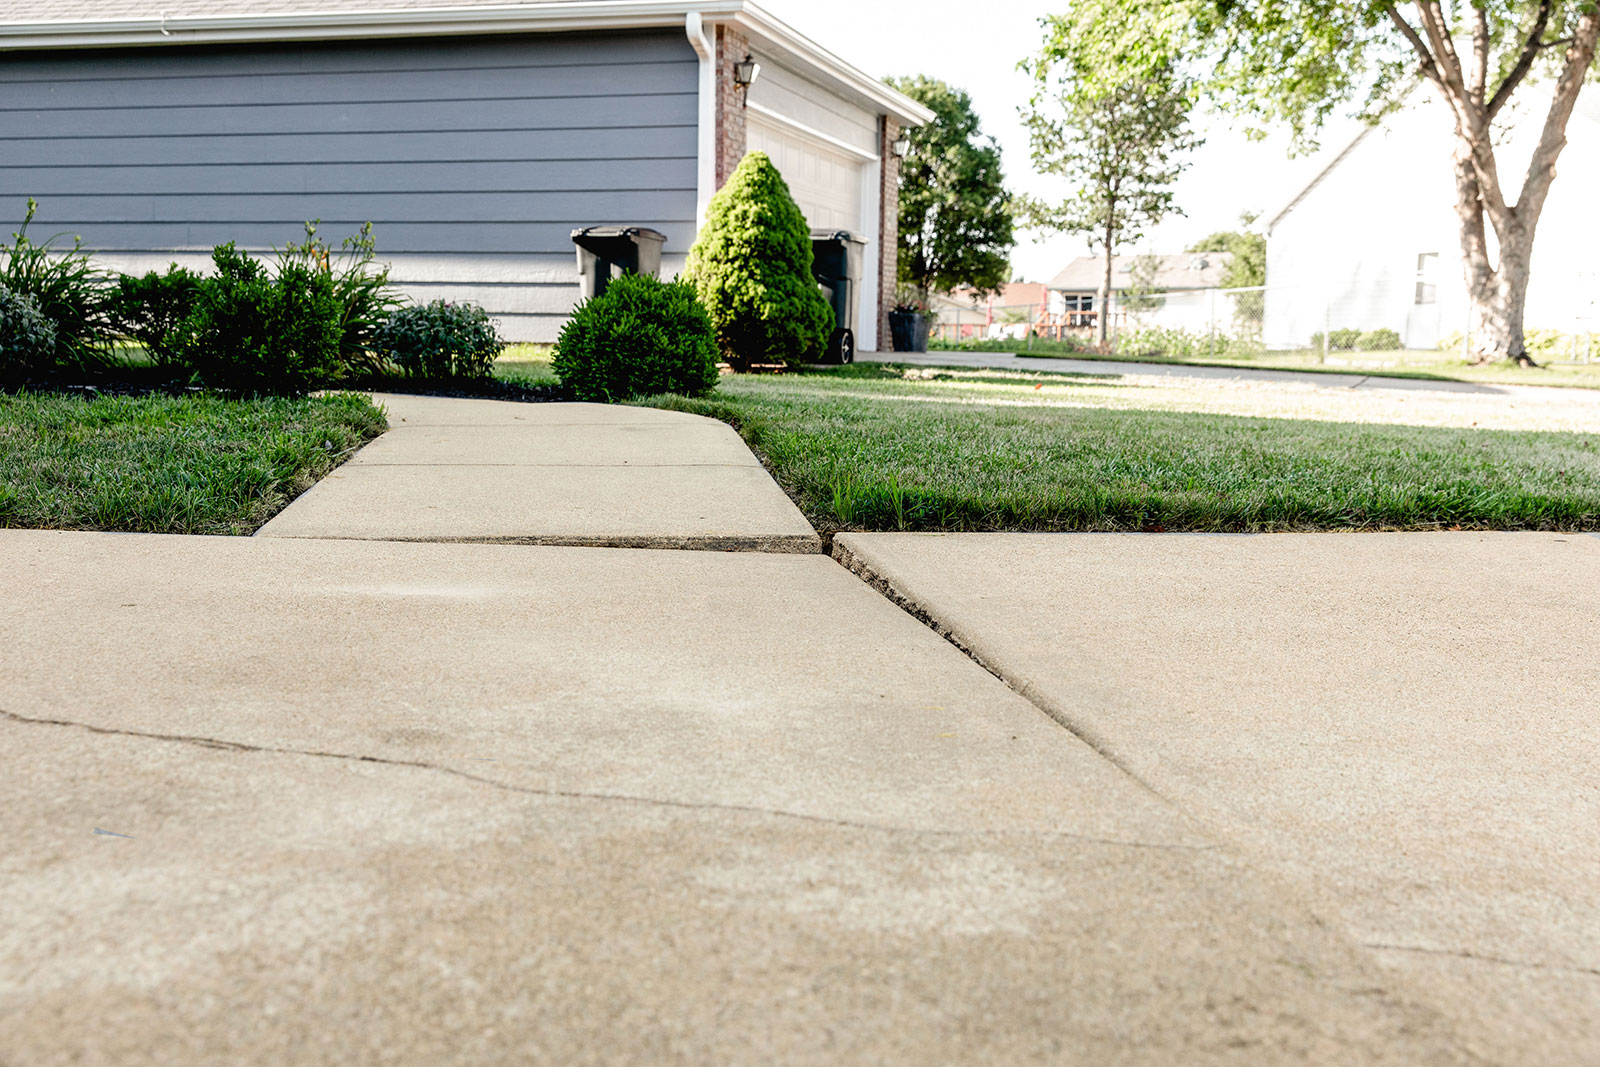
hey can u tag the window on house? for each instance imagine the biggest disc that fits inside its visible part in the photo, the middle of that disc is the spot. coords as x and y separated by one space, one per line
1427 278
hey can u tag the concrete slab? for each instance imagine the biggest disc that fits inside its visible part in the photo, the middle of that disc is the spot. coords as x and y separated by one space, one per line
465 804
563 474
1405 725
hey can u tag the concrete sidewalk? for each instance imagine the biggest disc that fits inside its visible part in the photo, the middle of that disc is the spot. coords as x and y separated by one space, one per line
1405 725
476 804
566 474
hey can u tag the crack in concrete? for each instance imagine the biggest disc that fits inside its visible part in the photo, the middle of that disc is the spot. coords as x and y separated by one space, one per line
1590 972
576 794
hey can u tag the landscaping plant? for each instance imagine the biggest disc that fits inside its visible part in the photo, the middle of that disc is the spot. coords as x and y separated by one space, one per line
27 338
439 340
252 331
360 285
154 309
752 269
638 338
1380 340
69 290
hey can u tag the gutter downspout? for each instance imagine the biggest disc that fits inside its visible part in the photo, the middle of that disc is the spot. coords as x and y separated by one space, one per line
706 184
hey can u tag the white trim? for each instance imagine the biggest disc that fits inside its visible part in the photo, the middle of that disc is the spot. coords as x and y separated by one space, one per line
879 94
871 209
809 133
705 46
553 17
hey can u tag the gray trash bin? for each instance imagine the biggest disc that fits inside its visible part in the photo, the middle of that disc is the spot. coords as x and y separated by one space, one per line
836 264
604 250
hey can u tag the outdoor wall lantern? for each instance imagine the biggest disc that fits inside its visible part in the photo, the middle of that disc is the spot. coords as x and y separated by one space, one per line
901 146
745 73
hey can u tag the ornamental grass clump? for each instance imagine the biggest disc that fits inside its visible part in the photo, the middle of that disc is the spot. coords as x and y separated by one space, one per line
69 289
640 337
752 269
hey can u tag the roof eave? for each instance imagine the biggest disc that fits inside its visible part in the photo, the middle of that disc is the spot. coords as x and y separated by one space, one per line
562 16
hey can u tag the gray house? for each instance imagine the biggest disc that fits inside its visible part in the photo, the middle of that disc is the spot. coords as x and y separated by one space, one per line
474 136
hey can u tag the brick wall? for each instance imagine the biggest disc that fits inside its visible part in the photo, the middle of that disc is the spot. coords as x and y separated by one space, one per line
888 229
732 46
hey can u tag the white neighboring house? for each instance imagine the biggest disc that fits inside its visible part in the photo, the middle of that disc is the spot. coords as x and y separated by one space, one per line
1373 241
1180 292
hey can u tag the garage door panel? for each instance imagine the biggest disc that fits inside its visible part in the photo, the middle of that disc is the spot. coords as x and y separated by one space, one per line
825 183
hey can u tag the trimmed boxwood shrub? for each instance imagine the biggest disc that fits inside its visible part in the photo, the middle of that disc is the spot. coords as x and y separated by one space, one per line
752 268
252 331
27 337
638 338
153 309
440 340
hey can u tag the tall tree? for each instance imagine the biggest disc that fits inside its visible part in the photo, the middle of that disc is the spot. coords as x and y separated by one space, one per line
956 224
1248 267
1297 61
1118 134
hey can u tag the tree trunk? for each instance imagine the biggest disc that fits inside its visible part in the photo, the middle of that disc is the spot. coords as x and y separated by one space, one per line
1103 319
1497 308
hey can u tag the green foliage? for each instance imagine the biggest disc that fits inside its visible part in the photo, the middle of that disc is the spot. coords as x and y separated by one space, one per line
1043 346
956 220
153 310
440 340
1379 340
27 338
71 292
360 285
255 332
751 267
1172 343
1345 340
1248 267
638 338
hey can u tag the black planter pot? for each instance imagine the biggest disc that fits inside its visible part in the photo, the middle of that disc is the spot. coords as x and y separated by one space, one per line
909 330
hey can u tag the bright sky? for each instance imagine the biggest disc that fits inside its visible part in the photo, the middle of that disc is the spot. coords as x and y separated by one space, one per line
976 47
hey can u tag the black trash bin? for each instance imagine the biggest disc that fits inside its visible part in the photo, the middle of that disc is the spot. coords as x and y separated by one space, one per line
606 250
836 264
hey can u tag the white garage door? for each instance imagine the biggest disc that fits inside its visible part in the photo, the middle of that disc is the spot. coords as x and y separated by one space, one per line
826 183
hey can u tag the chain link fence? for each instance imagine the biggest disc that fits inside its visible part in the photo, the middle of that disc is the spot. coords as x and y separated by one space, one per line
1359 324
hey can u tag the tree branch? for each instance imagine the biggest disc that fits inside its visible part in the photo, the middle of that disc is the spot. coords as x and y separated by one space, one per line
1532 45
1480 50
1430 69
1542 167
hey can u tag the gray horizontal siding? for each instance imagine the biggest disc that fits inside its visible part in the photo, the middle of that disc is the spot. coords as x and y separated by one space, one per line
481 153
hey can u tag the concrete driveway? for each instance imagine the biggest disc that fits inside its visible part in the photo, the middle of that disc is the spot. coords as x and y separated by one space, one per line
275 801
1405 725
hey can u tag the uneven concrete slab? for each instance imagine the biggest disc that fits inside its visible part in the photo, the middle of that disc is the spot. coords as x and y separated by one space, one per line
1406 724
469 804
568 474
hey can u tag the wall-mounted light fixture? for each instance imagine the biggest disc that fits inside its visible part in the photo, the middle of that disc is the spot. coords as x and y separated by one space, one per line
745 73
902 146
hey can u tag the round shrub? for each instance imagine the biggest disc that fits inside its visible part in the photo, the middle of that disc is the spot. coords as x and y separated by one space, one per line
1384 340
752 268
27 338
440 340
252 331
638 338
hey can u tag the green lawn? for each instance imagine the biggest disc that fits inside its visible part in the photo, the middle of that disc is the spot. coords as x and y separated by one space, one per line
193 464
866 447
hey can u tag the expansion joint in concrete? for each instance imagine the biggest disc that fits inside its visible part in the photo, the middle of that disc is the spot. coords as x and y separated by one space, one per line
857 566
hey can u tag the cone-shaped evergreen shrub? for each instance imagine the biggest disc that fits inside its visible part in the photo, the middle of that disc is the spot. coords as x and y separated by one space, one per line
752 269
638 338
